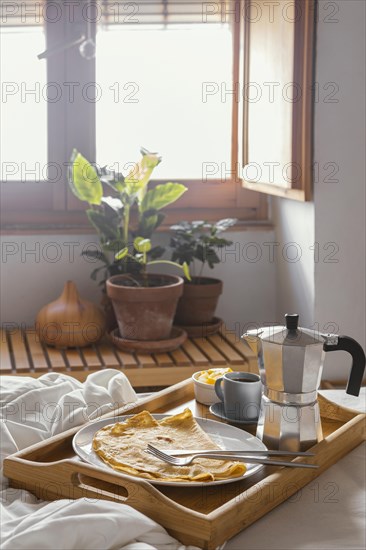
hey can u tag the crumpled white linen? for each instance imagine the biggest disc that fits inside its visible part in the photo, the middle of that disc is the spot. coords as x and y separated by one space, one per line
33 410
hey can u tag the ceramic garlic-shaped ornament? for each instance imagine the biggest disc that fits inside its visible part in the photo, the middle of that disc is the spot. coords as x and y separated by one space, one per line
70 321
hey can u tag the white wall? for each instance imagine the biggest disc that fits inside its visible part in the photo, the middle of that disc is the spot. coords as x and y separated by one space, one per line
249 277
34 269
340 207
294 223
329 290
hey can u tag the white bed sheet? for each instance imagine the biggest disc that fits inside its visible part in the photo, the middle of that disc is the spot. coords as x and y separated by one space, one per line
47 406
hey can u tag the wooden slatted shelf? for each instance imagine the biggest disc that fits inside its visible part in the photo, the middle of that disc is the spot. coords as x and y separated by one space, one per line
197 357
36 352
74 360
91 358
5 360
56 359
163 359
22 353
127 360
19 351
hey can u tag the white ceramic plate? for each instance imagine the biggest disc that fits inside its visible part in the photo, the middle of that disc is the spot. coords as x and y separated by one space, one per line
227 437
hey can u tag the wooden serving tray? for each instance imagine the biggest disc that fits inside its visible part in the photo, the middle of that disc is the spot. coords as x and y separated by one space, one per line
202 516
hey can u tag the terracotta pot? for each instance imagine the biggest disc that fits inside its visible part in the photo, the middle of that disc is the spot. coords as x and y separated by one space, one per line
199 301
145 313
110 317
70 321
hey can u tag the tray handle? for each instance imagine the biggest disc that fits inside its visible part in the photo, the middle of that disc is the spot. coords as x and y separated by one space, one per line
73 479
95 488
97 482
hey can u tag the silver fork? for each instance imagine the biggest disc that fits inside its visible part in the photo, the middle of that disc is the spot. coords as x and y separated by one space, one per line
248 453
175 461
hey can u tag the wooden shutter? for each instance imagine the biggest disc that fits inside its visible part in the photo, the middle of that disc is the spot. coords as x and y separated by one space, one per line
277 50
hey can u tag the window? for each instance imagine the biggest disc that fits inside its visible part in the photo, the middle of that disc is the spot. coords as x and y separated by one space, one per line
168 75
161 100
24 109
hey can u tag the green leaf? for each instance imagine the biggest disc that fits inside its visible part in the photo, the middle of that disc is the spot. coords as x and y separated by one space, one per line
212 258
95 255
121 254
84 181
95 272
217 242
105 226
186 271
156 252
113 245
142 245
140 174
112 178
200 253
182 252
144 152
149 221
161 196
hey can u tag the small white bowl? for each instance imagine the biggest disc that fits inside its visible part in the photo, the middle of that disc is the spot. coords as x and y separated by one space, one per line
204 393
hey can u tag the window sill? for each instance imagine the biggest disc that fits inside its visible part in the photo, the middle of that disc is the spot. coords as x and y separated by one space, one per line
213 201
82 229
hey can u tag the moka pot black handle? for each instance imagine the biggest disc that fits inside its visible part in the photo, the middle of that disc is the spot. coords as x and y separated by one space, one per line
346 343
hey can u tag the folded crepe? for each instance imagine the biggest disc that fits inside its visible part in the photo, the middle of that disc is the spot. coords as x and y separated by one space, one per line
123 447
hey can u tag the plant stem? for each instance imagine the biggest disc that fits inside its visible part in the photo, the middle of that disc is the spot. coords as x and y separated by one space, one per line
144 270
126 224
132 279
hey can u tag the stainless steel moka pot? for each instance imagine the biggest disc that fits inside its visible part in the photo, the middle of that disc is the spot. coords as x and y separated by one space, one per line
290 362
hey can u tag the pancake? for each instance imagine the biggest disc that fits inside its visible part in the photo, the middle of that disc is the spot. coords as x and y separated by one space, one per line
122 446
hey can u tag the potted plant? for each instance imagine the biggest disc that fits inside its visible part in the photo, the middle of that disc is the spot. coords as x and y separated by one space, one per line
124 222
145 303
196 243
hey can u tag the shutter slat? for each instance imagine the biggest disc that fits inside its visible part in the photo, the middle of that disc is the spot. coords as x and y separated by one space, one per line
164 12
14 13
26 13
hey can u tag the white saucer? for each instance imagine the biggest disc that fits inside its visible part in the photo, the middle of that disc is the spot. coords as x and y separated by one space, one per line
218 409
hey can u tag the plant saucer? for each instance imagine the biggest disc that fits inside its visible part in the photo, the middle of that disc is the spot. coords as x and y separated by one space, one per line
177 337
203 329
